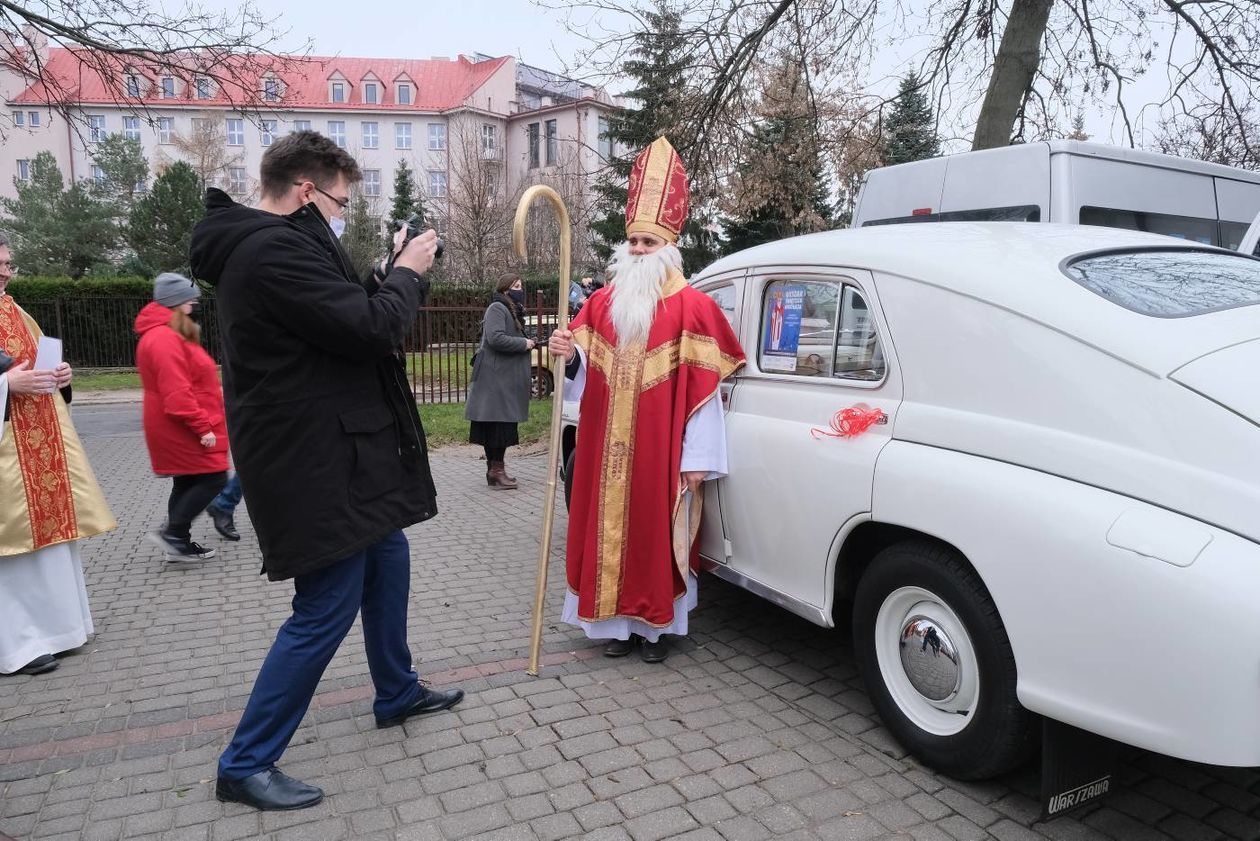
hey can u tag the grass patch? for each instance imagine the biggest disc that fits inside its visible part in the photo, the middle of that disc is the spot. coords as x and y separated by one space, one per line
444 423
105 380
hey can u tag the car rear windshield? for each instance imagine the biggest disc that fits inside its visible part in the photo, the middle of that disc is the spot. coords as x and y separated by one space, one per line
1170 283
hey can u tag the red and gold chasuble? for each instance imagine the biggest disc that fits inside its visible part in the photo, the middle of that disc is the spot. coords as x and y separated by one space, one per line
50 494
628 553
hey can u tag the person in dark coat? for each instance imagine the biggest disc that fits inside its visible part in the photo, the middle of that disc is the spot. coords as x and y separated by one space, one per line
184 424
498 396
327 442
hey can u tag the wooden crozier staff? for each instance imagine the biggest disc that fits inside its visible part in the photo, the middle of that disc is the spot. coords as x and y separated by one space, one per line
557 396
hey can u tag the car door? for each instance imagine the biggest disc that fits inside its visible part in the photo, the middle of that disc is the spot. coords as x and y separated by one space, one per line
727 294
819 347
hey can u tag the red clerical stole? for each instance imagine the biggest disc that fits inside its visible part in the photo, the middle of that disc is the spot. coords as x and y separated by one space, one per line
625 505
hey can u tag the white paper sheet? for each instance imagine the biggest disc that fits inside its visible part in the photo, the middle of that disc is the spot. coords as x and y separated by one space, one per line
48 357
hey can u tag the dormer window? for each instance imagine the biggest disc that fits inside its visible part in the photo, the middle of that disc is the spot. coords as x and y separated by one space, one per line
168 87
271 90
133 85
338 92
404 93
203 87
370 93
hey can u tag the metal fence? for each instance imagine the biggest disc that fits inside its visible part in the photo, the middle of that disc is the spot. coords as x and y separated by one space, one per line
99 333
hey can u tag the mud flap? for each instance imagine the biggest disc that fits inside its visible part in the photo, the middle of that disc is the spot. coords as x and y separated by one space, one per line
1076 768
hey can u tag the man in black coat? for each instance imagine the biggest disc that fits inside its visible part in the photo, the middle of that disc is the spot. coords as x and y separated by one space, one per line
327 443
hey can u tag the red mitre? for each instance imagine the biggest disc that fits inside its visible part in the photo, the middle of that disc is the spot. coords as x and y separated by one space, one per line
657 203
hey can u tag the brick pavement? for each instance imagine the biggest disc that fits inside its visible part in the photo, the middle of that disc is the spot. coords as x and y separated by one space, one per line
756 727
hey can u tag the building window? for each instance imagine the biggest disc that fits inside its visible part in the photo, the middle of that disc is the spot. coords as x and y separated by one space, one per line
98 175
437 185
131 128
533 145
371 182
19 119
551 142
140 186
200 127
437 137
166 126
267 131
338 92
24 170
168 87
371 135
236 179
271 90
133 86
402 135
605 142
96 128
489 138
337 131
301 125
32 117
203 88
404 94
235 132
369 93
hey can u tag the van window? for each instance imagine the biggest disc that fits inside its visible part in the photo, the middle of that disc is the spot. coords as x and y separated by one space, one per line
799 335
1170 283
1183 227
1014 213
1232 234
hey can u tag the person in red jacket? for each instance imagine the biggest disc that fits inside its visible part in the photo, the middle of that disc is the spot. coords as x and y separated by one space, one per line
184 421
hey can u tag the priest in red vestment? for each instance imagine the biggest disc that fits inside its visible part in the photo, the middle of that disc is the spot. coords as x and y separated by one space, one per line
646 356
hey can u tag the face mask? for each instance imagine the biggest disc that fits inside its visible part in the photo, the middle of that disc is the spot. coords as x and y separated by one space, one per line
517 295
338 226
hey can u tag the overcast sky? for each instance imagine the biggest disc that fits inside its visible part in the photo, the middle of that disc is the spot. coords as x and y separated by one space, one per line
519 28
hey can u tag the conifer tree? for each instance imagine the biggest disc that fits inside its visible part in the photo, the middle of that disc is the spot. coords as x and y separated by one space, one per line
160 225
58 230
362 238
910 130
406 193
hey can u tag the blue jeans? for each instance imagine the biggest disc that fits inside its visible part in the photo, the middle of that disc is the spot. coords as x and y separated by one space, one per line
229 497
374 582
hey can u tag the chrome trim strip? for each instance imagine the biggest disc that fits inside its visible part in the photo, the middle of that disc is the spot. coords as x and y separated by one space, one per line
806 611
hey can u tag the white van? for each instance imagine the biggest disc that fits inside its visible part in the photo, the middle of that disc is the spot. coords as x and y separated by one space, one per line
1068 181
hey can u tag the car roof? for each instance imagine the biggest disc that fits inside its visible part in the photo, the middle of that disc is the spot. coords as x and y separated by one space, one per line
1014 266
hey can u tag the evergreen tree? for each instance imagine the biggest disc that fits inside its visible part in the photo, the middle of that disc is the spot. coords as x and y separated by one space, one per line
406 193
657 65
1078 128
58 231
910 130
160 224
779 184
125 169
362 239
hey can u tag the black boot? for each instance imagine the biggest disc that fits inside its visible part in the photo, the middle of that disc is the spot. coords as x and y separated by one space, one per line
223 523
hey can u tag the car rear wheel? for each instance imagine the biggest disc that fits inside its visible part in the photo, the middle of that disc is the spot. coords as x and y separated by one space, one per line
937 662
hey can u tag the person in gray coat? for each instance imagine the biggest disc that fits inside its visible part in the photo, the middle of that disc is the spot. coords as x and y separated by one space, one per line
498 396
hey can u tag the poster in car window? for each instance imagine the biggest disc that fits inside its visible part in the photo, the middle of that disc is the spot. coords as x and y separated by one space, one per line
781 334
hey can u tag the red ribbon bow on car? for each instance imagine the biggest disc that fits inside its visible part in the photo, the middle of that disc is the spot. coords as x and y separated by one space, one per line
851 422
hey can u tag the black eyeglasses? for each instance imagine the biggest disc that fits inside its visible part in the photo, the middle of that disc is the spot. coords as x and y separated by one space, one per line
342 203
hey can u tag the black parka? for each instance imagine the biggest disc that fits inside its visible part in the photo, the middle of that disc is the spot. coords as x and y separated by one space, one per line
325 433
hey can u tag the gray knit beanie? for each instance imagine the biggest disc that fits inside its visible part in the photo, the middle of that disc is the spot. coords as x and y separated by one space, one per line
171 290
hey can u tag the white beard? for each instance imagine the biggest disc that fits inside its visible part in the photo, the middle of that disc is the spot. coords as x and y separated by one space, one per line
636 289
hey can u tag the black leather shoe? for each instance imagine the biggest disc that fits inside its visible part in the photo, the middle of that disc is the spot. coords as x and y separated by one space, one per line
619 648
433 700
41 664
223 523
655 652
268 790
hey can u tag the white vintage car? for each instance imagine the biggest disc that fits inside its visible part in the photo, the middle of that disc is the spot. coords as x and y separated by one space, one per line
1060 516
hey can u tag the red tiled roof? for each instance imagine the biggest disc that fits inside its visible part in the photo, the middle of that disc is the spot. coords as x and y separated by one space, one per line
439 84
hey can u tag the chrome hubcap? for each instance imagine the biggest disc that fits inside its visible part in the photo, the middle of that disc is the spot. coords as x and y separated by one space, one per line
929 659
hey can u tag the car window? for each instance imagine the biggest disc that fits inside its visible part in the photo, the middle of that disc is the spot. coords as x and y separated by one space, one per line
724 297
858 355
1014 213
798 327
1183 227
1170 283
